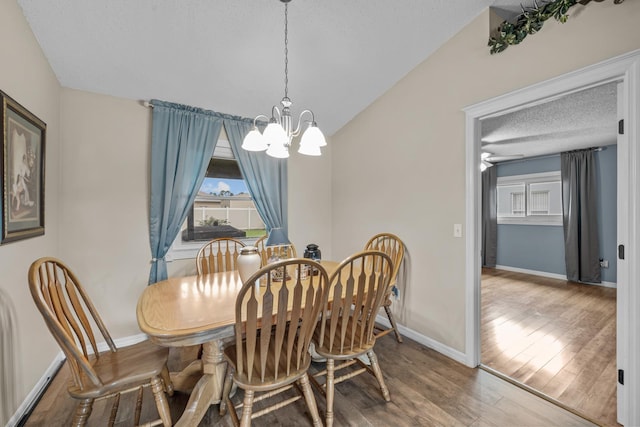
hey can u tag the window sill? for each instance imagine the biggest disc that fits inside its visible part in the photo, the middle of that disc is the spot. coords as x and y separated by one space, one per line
555 221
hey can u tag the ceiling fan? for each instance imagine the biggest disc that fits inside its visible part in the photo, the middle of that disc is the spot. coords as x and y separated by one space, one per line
488 159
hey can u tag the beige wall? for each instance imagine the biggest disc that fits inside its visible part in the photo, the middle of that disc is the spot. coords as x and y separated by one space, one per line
104 201
26 76
412 179
395 177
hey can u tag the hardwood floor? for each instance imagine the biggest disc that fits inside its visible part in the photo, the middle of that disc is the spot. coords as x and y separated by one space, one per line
554 336
427 389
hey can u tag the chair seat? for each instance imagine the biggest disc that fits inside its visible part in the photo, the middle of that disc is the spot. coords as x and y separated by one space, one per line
334 351
270 381
128 367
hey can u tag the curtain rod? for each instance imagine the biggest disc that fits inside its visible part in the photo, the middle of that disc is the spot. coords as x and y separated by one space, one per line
544 156
146 104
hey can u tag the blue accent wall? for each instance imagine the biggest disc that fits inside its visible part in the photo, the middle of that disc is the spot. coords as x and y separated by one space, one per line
608 209
541 247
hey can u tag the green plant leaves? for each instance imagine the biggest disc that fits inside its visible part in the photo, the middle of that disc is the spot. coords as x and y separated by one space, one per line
529 22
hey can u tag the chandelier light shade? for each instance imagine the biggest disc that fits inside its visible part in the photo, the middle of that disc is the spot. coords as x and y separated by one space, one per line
279 133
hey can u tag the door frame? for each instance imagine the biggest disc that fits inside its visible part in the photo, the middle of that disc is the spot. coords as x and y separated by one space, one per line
626 70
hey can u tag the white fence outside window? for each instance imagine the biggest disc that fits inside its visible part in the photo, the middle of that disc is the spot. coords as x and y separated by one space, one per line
240 218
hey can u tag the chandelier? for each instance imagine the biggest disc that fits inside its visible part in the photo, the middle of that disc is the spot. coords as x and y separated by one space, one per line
279 133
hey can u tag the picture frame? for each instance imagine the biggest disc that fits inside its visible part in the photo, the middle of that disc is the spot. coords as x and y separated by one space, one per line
22 165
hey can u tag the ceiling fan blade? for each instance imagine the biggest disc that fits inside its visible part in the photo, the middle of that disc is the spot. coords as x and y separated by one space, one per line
498 158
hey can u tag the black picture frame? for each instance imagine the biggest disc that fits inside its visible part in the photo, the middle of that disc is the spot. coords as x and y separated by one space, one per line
22 171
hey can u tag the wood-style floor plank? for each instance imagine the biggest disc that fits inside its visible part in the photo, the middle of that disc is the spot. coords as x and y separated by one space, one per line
554 336
427 389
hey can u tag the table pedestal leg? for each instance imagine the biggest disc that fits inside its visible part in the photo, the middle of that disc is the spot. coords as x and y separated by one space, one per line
208 389
185 380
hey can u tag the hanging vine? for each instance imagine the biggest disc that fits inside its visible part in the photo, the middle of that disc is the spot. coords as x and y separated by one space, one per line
530 21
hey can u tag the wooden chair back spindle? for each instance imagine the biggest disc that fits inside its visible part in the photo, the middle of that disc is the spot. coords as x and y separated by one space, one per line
391 245
358 290
219 255
279 252
290 308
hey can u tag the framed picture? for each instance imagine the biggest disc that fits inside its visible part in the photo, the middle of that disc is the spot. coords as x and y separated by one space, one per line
22 171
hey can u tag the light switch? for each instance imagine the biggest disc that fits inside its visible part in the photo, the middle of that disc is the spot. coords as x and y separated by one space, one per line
457 230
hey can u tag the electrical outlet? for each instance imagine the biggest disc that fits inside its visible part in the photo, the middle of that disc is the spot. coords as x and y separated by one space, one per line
457 230
604 263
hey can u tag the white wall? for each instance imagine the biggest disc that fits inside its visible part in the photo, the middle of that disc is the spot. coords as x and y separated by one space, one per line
414 169
25 75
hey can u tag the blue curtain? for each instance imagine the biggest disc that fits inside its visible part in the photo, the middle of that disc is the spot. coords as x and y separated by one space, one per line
182 143
266 177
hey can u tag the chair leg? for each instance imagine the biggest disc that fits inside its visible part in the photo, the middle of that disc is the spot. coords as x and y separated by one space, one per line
393 323
166 379
157 387
330 392
378 373
226 390
311 400
247 408
83 410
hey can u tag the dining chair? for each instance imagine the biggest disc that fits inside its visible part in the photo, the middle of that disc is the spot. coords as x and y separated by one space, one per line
69 314
274 324
345 332
274 252
220 254
394 247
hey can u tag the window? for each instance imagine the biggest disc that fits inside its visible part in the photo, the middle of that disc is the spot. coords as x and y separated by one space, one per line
530 199
223 208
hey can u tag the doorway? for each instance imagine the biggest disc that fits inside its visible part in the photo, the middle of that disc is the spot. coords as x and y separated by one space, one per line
625 69
538 330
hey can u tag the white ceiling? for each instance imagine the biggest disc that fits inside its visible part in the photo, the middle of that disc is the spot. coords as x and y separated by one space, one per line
228 55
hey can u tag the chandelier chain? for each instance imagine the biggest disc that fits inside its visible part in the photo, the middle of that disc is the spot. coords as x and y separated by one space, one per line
286 50
278 135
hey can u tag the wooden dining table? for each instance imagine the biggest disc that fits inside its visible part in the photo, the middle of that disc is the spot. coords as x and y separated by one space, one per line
192 310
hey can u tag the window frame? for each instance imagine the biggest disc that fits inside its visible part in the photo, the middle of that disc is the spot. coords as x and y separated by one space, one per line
189 249
527 180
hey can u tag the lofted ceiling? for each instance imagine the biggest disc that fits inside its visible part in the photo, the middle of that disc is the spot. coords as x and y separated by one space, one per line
228 55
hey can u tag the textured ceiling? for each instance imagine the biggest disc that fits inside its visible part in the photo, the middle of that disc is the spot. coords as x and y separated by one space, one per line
578 120
228 55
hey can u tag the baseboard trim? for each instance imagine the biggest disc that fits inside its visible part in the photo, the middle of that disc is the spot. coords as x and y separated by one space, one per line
24 410
451 353
550 275
36 392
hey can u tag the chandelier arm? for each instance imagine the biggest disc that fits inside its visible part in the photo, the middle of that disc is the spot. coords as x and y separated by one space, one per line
260 116
275 114
299 127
